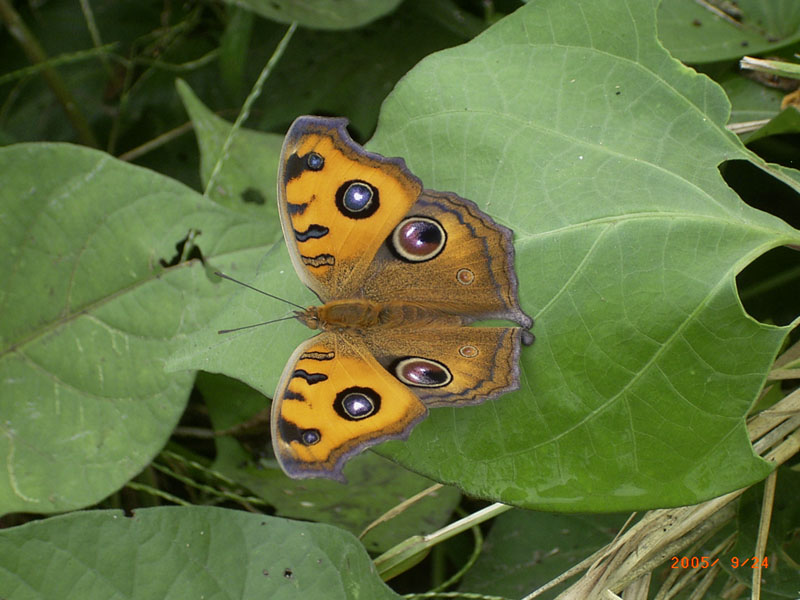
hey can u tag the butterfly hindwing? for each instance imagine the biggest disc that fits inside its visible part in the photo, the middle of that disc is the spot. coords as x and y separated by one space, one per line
451 366
333 401
468 269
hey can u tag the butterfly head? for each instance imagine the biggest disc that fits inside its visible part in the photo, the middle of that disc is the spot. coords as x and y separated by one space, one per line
309 317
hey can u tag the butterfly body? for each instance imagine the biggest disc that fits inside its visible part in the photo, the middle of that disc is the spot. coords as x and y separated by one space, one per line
402 272
366 314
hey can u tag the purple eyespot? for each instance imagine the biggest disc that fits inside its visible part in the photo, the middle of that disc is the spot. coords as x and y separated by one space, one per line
417 239
422 372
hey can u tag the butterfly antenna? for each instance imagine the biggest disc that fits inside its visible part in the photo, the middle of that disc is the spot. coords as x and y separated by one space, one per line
219 274
256 325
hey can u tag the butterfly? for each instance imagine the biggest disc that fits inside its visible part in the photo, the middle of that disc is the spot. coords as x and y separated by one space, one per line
401 272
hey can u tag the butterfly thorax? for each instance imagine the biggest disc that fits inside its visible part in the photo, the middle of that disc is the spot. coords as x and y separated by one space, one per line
366 314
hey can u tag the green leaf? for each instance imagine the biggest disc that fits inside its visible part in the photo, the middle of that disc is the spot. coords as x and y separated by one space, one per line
240 183
785 122
93 301
322 14
197 552
254 356
750 100
602 153
695 33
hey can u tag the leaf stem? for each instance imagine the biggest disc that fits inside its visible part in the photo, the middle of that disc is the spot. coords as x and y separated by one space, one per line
408 552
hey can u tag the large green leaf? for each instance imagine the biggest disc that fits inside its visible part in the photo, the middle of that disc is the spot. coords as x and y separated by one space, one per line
197 552
602 153
93 301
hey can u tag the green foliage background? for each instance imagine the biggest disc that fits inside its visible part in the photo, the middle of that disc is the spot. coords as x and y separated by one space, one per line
568 121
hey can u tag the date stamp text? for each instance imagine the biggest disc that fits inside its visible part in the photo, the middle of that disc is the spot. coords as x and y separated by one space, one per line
705 562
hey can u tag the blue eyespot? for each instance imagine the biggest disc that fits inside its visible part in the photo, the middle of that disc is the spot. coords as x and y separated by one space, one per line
309 437
314 161
356 403
357 199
